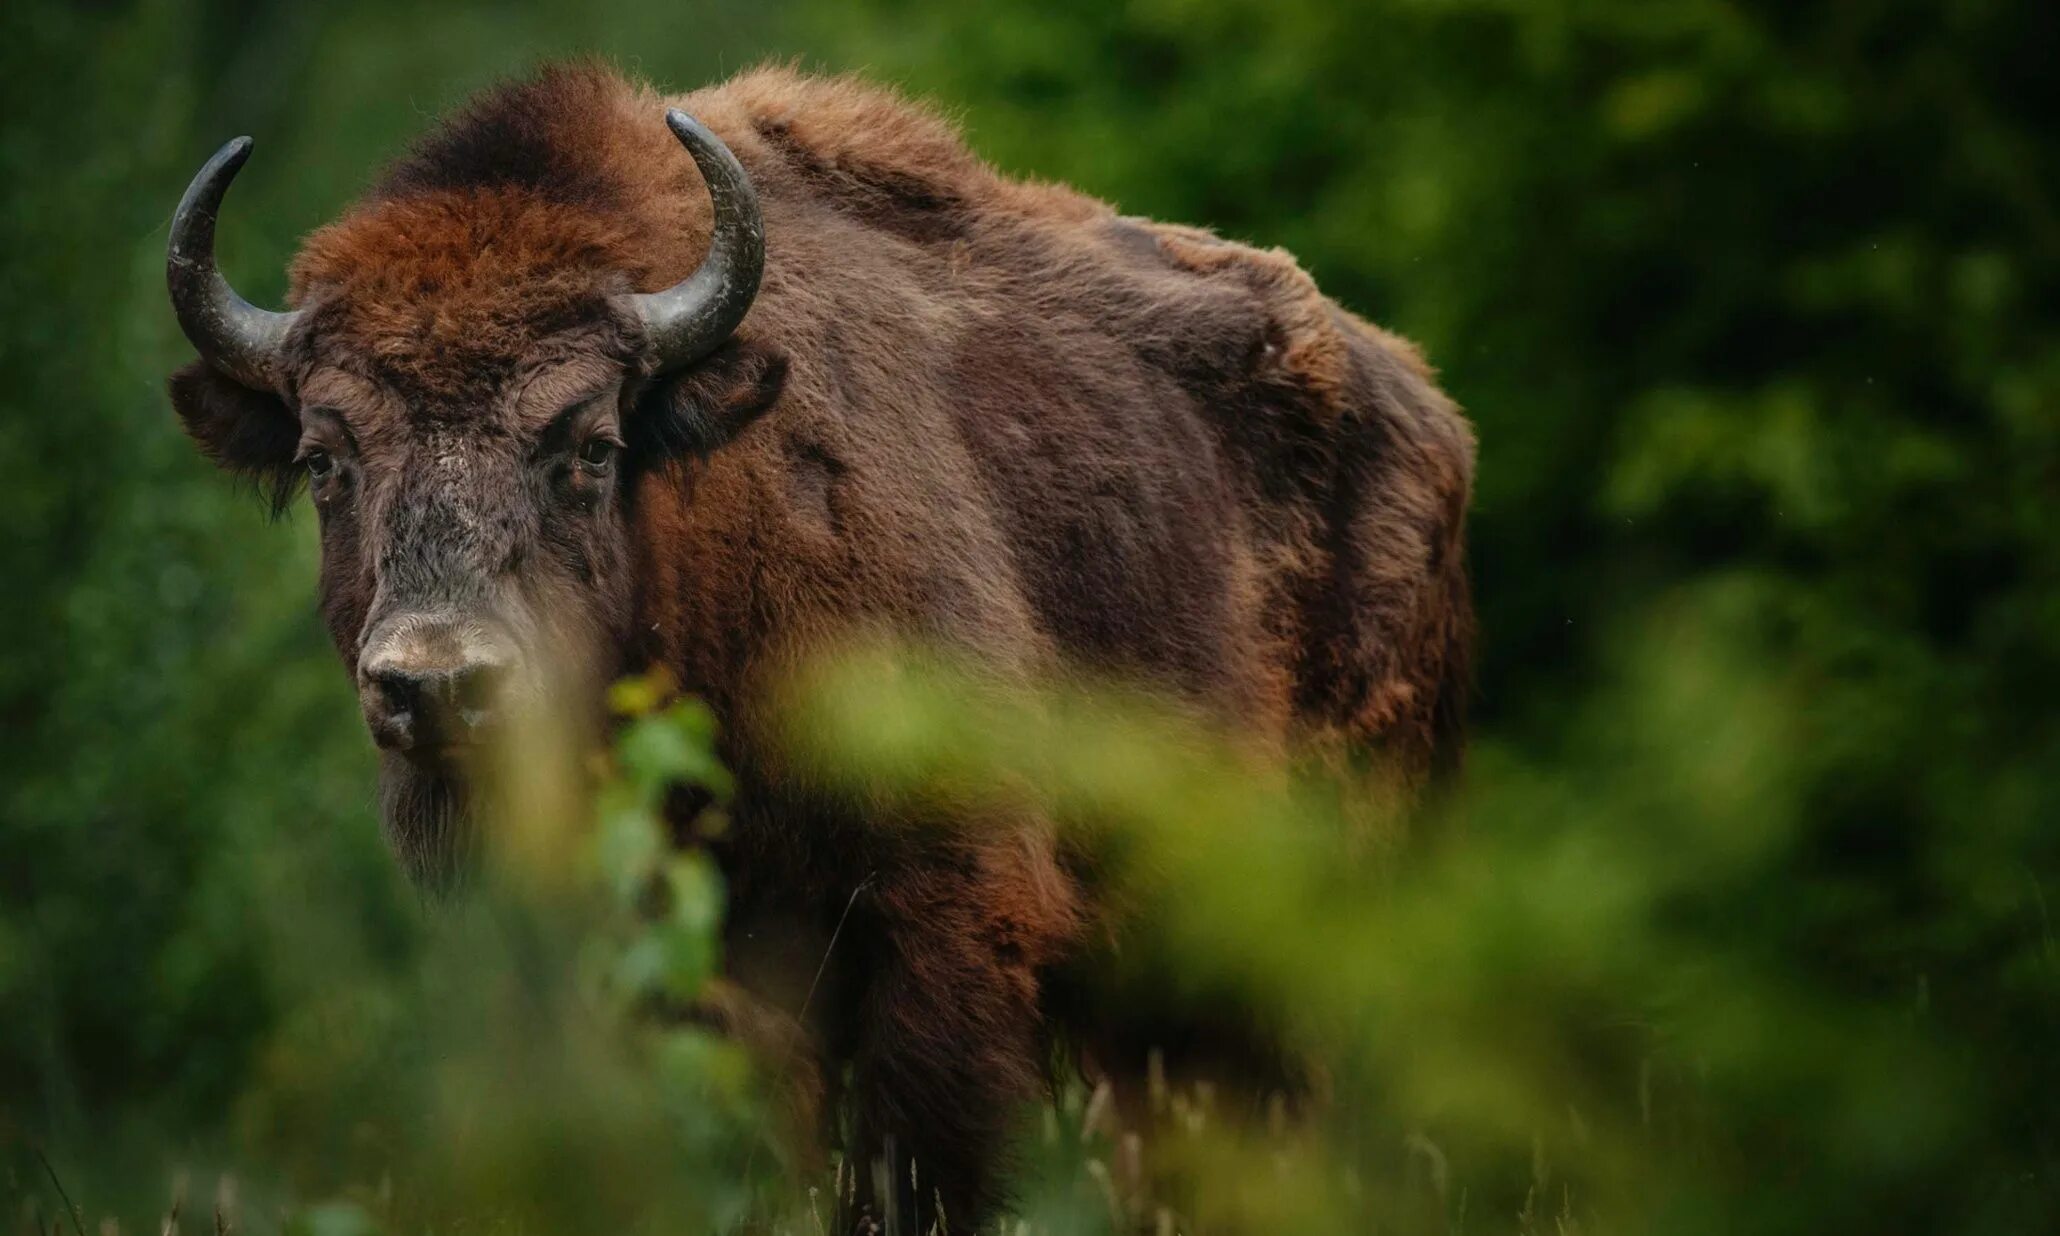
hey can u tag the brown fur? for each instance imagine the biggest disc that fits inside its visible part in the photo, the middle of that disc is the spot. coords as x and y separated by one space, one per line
976 410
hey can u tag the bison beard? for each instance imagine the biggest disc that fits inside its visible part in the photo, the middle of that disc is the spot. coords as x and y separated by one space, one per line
428 823
973 410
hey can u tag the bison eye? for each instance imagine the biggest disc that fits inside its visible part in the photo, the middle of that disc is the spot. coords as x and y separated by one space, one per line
318 462
597 455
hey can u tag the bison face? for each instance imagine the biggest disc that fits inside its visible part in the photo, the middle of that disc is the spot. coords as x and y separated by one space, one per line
470 563
470 391
475 570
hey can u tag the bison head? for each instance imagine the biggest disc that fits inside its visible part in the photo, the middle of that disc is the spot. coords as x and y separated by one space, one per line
469 390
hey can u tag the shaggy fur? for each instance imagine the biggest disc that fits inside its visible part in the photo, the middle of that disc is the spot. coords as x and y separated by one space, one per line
973 409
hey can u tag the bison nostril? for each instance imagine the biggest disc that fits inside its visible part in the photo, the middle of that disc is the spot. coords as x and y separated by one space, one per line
398 690
392 699
473 689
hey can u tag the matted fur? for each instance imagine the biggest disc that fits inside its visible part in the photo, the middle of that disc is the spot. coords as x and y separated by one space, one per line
969 408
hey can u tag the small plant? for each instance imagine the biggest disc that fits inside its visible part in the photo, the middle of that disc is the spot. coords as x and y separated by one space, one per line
540 1062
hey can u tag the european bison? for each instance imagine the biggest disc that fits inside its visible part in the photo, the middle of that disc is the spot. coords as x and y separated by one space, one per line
571 404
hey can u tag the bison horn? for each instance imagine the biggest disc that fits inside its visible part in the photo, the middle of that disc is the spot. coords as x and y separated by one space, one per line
235 336
690 319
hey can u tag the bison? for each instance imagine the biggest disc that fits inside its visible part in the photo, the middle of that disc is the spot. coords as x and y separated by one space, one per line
571 404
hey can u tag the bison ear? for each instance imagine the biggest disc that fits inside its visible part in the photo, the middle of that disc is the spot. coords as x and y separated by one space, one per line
704 406
247 432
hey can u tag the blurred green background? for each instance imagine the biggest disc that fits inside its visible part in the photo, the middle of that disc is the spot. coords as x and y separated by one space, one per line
1754 306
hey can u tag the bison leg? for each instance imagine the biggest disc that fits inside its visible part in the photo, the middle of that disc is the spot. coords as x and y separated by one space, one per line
950 1043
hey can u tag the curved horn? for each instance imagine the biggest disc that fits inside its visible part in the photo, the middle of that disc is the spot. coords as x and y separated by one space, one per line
230 333
690 319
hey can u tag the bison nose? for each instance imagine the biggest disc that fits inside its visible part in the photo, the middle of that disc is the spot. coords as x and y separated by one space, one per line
429 691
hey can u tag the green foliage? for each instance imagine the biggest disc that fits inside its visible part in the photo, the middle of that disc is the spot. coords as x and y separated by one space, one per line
1553 1006
532 1059
1739 922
